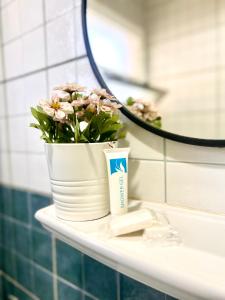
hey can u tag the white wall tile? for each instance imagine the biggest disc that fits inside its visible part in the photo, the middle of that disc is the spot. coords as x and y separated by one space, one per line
3 135
34 142
146 180
34 50
35 87
38 173
143 144
19 169
1 65
80 46
63 74
85 75
5 174
11 21
56 8
2 101
180 57
197 186
61 39
174 18
15 93
190 153
31 13
4 2
13 53
18 127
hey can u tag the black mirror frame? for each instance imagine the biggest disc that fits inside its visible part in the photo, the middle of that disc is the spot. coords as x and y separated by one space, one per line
126 112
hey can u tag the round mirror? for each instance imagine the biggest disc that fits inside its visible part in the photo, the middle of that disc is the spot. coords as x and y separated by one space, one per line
164 61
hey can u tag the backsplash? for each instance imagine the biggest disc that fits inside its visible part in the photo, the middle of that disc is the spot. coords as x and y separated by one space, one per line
37 266
37 54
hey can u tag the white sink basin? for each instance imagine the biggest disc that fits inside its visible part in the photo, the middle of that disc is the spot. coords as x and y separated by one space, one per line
193 270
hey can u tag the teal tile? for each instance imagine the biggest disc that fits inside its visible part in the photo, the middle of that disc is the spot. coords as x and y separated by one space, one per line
22 240
1 287
24 272
6 196
8 234
167 297
131 289
66 292
100 280
9 263
68 263
1 231
1 257
12 290
88 298
42 248
43 284
38 202
8 289
20 205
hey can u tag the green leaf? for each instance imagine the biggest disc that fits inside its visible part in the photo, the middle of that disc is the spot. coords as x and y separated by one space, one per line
130 101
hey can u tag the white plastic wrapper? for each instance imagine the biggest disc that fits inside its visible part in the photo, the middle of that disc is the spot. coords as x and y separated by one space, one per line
161 233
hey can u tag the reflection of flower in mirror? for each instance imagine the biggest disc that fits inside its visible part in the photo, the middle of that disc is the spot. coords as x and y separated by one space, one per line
145 110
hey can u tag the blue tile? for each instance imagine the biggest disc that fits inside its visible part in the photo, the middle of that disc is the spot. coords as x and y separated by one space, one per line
131 289
100 280
42 248
38 202
24 272
43 284
66 292
68 263
20 205
23 240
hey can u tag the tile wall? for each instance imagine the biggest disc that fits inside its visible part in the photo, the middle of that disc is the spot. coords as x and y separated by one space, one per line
36 54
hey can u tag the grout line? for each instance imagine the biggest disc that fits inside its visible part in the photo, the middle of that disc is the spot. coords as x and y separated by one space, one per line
19 286
43 69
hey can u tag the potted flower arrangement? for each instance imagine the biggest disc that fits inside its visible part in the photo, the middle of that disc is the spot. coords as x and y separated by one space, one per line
77 125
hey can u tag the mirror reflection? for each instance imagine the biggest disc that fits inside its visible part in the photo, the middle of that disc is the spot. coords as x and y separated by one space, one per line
167 57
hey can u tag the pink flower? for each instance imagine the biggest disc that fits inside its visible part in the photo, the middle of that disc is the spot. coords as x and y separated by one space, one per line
70 87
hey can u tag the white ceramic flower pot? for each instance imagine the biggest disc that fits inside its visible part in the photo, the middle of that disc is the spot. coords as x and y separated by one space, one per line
79 182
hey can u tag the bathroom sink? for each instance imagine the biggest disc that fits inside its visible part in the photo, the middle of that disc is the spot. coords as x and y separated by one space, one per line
195 269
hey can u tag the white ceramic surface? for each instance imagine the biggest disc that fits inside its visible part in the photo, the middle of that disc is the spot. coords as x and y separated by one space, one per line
79 182
194 270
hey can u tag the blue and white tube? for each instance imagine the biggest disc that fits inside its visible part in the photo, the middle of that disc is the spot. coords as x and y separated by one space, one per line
117 165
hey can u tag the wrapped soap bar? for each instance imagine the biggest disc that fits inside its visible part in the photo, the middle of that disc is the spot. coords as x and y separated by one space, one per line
132 221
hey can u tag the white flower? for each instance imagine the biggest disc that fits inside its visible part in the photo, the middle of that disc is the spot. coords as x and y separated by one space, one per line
64 96
57 110
70 87
102 93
